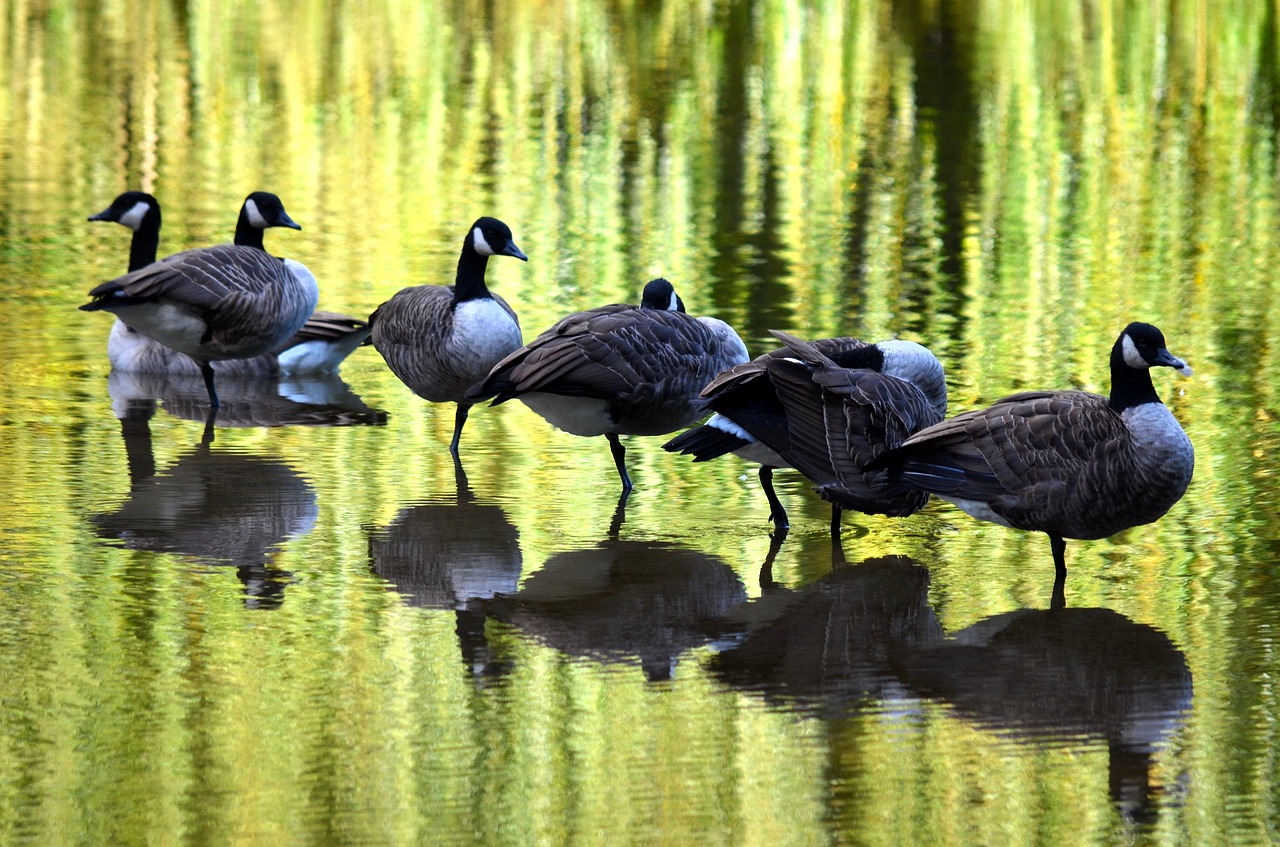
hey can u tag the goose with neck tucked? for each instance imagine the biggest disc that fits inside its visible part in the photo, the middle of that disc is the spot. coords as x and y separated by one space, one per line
826 408
1069 464
320 346
619 370
230 301
440 340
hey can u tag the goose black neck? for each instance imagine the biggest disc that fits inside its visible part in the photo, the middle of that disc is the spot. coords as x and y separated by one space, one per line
142 250
1129 386
469 283
248 235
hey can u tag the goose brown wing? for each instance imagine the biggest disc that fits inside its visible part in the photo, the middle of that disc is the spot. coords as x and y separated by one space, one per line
329 326
838 422
610 353
202 279
1023 442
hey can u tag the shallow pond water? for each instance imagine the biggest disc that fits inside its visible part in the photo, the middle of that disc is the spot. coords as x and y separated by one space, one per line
308 625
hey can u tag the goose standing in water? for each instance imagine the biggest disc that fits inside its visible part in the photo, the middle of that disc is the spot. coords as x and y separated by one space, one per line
230 301
825 408
320 346
619 370
440 340
1066 463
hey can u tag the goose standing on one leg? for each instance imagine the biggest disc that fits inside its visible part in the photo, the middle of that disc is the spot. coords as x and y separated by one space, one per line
1066 463
824 407
320 346
619 370
440 340
231 301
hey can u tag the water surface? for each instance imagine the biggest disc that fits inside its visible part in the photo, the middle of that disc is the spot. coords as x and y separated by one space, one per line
308 626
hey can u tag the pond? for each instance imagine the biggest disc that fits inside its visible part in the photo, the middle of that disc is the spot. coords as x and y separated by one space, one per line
308 626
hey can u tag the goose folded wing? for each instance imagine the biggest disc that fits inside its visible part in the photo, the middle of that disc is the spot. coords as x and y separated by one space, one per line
201 279
1023 441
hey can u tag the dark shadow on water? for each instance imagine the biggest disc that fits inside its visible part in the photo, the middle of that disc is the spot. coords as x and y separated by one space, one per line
628 602
865 635
1063 676
267 401
452 554
216 507
827 647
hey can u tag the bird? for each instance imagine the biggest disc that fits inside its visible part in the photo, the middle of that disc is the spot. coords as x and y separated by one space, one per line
1070 464
320 346
229 301
440 340
823 407
619 370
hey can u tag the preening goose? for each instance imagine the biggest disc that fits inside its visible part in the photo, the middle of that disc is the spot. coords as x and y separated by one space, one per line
231 301
619 370
824 407
440 340
1066 463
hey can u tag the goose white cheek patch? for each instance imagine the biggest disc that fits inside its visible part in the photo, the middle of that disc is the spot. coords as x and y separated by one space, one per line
133 217
479 243
255 217
1132 357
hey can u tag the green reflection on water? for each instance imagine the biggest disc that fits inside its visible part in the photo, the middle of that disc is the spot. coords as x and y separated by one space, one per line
1010 183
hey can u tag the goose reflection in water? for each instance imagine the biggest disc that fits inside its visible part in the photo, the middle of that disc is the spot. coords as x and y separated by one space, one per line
1066 676
828 646
313 400
625 602
452 554
216 507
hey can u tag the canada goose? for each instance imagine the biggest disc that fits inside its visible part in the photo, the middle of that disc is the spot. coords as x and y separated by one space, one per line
1066 463
824 407
230 301
440 340
619 370
320 346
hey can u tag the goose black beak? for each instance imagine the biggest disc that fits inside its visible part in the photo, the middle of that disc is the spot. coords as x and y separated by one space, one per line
1168 360
513 250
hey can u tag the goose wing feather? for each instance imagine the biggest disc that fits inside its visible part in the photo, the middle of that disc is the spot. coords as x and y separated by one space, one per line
614 353
839 421
1029 456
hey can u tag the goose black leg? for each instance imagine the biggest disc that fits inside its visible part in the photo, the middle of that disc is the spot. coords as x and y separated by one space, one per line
777 514
459 418
206 371
619 453
836 512
1059 546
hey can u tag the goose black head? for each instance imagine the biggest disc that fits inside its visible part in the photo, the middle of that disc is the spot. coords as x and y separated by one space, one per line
661 294
131 209
491 237
263 209
1141 346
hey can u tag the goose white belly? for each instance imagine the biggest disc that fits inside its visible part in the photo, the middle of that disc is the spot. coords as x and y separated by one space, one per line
171 323
583 416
